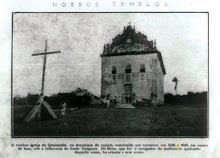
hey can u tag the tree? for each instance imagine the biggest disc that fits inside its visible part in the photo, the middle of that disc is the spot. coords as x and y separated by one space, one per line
176 81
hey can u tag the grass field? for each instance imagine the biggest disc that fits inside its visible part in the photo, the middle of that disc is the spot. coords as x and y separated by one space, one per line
178 121
144 121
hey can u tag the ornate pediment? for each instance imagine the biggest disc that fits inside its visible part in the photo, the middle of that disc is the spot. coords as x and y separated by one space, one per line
129 41
128 48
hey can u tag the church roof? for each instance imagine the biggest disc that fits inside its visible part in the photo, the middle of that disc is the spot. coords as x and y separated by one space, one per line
132 43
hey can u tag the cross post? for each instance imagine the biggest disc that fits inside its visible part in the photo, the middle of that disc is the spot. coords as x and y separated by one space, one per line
37 108
44 66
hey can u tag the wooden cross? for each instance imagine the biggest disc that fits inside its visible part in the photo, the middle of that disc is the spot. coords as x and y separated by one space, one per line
44 66
37 108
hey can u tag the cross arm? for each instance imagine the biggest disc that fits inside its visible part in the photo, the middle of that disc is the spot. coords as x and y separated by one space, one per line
46 53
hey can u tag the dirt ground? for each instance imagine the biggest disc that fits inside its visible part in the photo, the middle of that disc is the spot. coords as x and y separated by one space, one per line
112 122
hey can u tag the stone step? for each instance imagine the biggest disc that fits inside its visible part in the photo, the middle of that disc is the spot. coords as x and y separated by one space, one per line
124 106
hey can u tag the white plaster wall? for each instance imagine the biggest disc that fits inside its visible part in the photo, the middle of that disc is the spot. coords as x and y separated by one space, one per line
142 88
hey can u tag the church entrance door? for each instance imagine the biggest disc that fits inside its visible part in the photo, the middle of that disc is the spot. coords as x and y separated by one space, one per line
128 93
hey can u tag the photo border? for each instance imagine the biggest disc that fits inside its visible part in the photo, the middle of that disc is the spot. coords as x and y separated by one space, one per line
12 102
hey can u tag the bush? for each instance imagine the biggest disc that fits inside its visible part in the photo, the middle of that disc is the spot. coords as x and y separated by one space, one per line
198 99
77 98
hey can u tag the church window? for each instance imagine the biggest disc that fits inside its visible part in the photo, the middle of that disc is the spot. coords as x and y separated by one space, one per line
114 70
142 76
128 78
128 69
142 68
114 78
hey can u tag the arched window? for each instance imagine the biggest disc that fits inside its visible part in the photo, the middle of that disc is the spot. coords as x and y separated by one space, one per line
114 70
128 69
142 68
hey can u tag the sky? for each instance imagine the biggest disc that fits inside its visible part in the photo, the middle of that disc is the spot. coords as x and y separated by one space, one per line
182 39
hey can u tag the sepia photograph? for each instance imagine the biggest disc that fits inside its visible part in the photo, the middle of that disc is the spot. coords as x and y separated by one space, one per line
137 74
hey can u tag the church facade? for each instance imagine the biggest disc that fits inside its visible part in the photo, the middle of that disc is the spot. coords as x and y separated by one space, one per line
132 67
